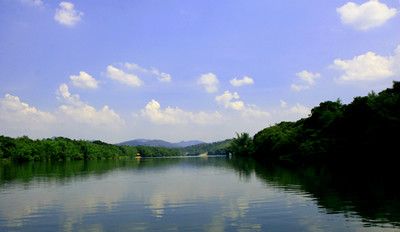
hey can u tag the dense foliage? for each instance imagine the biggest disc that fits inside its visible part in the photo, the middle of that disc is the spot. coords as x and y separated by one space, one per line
242 145
364 131
26 149
216 148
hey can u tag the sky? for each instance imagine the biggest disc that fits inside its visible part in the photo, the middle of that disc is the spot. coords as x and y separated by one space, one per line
186 70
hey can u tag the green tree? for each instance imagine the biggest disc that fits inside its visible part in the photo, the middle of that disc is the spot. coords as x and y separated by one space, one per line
7 146
242 145
277 142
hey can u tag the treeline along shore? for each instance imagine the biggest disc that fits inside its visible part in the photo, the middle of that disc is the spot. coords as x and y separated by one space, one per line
59 148
365 131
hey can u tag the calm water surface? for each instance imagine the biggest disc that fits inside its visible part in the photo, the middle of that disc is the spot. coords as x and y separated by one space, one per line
189 194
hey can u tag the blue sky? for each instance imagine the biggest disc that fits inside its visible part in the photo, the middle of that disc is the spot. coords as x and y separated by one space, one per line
184 70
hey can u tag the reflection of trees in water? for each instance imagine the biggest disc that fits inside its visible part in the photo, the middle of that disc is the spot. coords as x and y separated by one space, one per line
368 193
67 171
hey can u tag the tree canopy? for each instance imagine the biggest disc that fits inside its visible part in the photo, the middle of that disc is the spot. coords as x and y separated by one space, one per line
59 148
216 148
242 145
364 131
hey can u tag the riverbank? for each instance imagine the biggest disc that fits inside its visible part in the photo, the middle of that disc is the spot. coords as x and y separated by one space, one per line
59 149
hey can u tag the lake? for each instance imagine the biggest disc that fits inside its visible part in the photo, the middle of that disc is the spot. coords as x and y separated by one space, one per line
192 194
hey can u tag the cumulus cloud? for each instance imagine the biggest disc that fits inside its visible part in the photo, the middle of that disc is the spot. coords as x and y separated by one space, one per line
368 15
170 115
134 67
245 81
253 111
67 15
161 76
84 113
292 112
84 80
368 67
123 77
308 77
227 101
63 94
13 109
209 81
305 76
300 110
19 118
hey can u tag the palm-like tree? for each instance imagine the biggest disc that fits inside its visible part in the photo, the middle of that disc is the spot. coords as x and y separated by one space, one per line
242 145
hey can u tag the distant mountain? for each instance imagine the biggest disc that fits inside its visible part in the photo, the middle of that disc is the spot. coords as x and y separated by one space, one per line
159 143
188 143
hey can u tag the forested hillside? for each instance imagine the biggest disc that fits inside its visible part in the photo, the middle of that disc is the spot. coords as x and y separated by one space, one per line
216 148
365 131
26 149
59 148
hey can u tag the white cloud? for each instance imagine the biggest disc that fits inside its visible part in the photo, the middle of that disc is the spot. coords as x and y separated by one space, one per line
290 113
81 112
134 67
368 15
296 87
253 112
121 76
300 110
209 81
84 80
63 94
67 15
308 77
13 109
296 110
245 81
305 76
73 116
170 115
17 118
368 67
89 115
161 76
226 98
